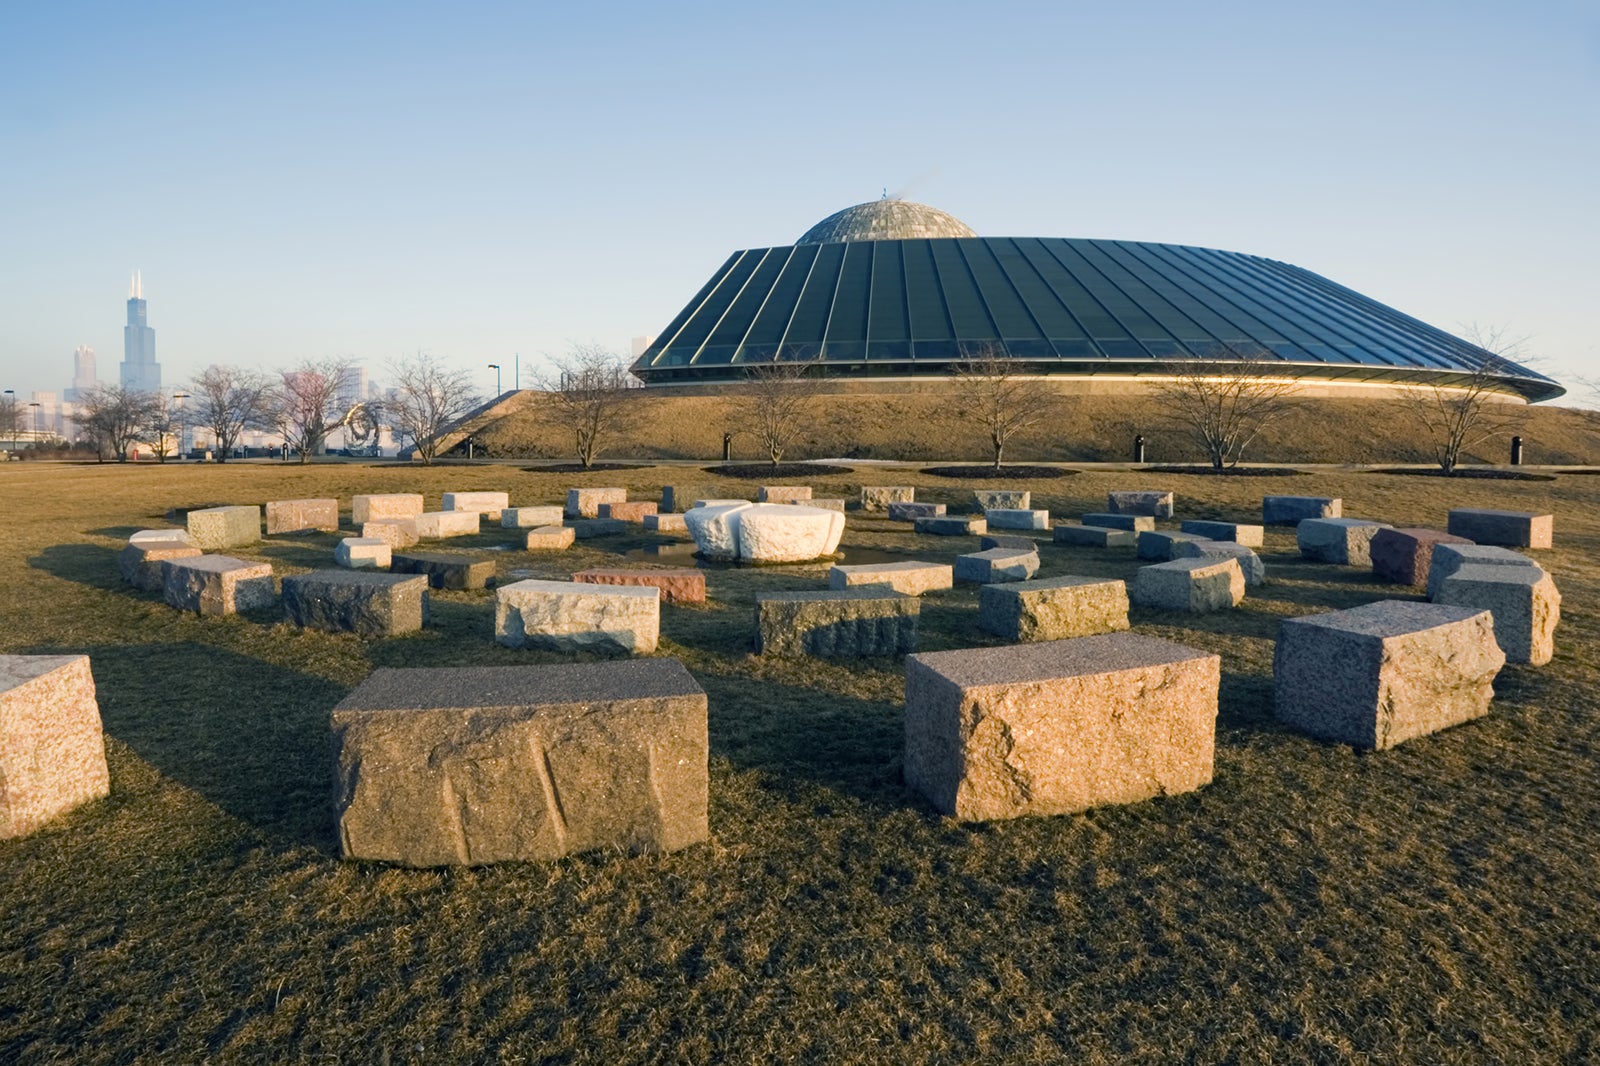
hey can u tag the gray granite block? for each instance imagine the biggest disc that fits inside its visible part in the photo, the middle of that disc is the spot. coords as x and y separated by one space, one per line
362 602
859 621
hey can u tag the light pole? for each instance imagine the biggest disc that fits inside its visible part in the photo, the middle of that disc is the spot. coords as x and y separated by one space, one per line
35 405
516 374
183 424
496 368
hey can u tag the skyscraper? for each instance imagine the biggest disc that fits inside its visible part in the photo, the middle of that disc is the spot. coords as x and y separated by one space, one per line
139 367
84 377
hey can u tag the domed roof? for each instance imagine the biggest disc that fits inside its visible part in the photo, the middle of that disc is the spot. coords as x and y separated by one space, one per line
885 220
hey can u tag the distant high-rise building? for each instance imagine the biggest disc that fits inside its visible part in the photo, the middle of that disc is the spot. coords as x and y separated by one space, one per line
139 367
84 378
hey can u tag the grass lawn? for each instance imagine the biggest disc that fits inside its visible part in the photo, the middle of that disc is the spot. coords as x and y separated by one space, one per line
1436 903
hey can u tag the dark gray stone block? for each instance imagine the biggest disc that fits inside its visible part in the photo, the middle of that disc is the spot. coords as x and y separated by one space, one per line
362 602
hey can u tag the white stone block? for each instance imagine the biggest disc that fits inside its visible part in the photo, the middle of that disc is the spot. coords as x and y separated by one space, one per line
1194 585
363 553
568 616
379 507
1008 518
436 525
489 504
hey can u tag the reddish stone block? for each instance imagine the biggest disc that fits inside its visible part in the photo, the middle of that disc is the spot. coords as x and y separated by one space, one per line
677 585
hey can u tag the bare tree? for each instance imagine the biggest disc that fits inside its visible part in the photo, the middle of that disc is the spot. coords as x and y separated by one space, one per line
1459 415
428 399
1226 402
304 405
594 397
9 420
227 401
993 394
778 399
165 428
116 417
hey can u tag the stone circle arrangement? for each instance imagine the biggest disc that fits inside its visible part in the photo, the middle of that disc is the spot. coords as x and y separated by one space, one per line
448 766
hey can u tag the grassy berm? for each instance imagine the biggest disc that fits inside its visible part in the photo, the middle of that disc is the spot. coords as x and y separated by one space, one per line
1437 903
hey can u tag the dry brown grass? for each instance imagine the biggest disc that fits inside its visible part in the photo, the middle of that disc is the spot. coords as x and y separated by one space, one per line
1436 903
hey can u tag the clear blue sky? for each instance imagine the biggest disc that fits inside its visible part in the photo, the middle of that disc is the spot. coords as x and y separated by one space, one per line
310 180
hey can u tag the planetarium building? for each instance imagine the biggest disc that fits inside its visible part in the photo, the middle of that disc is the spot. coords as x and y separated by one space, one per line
892 290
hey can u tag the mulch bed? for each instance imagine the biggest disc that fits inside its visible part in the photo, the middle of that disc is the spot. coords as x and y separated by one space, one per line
975 473
766 471
1473 474
578 468
1228 471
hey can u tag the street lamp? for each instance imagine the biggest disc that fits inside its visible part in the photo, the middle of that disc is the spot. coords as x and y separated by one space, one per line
183 425
35 405
496 368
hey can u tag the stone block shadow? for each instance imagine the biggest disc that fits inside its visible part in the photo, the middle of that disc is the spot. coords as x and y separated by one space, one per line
93 565
249 736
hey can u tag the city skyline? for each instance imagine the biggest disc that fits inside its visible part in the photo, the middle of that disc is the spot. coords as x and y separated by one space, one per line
418 184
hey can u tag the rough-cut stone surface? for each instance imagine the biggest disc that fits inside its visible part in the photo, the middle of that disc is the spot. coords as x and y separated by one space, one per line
718 503
1404 555
960 525
715 528
1513 529
678 584
215 528
1056 608
491 505
1007 540
1152 502
826 503
1002 499
1344 541
366 604
292 516
879 497
1194 585
585 503
437 525
52 750
379 507
363 553
1376 675
910 578
568 616
1250 564
589 528
1239 533
1448 558
665 523
787 533
471 765
1292 510
1093 536
910 512
395 532
1523 600
1008 518
550 539
1135 523
140 564
1059 727
635 511
997 564
163 534
532 517
444 570
782 493
1162 545
837 624
216 584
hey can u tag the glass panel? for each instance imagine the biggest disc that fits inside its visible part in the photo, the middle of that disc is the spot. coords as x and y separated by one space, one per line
706 316
665 337
1219 321
1046 306
929 319
1128 313
887 315
852 349
941 350
774 317
848 320
1168 318
967 312
889 350
811 312
737 318
999 295
715 356
1085 309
